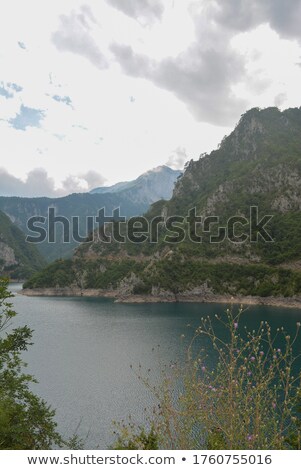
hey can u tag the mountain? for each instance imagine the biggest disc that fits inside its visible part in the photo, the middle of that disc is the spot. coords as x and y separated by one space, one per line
18 259
133 198
151 186
248 194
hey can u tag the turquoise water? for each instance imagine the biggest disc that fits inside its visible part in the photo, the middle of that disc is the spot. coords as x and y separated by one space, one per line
83 349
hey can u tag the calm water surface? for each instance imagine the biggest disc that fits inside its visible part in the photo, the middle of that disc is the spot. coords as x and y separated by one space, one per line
83 349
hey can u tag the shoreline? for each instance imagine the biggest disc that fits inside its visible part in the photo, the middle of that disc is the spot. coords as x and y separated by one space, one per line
119 297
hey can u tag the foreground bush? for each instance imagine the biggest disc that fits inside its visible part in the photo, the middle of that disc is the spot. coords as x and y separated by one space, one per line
26 422
237 393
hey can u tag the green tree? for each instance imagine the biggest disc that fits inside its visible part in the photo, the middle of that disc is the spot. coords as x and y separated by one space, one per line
26 421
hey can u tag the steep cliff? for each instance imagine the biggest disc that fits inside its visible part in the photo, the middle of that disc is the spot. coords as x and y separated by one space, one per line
18 259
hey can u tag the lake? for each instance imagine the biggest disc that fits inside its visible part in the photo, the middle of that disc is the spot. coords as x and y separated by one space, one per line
84 347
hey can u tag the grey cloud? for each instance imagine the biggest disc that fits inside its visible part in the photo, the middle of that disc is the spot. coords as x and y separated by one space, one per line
136 65
285 17
280 99
38 183
241 15
145 11
85 15
201 78
21 45
74 35
93 179
204 74
72 184
177 159
238 15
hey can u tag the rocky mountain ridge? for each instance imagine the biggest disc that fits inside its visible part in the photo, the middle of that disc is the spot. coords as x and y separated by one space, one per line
257 165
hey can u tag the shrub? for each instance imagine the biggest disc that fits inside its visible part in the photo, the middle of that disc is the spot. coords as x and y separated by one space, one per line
26 421
131 438
244 399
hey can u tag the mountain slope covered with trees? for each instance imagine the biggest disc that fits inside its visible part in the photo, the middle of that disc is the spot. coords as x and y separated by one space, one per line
18 259
255 170
133 198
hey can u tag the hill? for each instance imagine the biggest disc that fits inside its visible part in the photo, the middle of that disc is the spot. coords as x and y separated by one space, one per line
18 259
133 198
247 195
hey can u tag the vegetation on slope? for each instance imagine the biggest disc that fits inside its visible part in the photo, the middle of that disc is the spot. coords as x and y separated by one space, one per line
25 258
133 198
26 421
257 165
169 275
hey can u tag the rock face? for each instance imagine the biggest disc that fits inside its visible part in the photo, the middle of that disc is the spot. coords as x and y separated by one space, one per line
7 256
17 258
260 157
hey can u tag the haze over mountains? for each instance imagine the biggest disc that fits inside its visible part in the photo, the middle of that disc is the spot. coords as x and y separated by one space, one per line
133 198
151 186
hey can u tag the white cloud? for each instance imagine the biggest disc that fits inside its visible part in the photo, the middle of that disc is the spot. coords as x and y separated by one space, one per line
178 158
74 35
191 74
201 78
39 183
146 11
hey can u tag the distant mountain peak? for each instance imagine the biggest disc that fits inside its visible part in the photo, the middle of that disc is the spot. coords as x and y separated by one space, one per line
162 175
159 169
132 197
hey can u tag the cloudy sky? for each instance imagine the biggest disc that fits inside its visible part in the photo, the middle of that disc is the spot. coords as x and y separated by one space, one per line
99 91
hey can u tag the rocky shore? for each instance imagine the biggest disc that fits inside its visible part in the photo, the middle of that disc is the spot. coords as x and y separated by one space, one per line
120 297
67 292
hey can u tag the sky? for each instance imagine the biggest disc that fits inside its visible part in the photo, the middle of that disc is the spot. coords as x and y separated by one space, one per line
99 91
